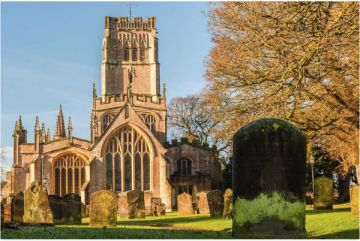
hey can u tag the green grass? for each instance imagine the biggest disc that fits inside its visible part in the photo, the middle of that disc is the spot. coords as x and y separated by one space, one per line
337 223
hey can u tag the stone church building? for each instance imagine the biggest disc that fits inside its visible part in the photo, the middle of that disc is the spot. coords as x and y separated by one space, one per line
128 146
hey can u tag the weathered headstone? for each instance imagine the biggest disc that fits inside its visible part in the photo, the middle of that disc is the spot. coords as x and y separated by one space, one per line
324 197
269 157
7 213
228 199
71 209
354 200
17 208
184 204
202 203
156 207
56 207
131 204
36 205
103 208
216 203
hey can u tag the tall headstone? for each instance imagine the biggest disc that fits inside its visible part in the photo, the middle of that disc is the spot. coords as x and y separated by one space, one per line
103 208
131 204
269 157
71 209
202 203
216 203
354 200
17 208
36 205
228 199
56 207
324 193
184 204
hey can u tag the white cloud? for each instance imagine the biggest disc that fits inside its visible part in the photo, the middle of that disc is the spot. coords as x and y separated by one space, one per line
6 159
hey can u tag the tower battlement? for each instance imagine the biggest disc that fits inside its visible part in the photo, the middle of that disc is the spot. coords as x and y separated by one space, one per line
122 23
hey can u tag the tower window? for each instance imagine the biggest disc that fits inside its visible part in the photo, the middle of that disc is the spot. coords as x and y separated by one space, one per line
142 54
126 54
134 54
184 167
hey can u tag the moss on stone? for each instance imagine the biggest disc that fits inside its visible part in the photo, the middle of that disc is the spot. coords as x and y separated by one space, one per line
269 205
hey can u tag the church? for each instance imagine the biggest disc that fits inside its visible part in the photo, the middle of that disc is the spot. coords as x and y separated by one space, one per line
128 147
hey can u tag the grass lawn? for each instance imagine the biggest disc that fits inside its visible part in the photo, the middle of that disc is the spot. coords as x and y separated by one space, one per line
337 223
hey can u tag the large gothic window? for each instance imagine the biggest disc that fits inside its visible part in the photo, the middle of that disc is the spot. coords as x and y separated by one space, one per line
127 158
106 120
69 171
184 167
150 122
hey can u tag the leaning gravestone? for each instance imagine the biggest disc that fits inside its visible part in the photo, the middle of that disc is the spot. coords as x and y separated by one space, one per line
324 196
103 208
202 203
71 209
354 200
56 207
228 199
36 205
269 158
17 208
216 204
132 204
184 204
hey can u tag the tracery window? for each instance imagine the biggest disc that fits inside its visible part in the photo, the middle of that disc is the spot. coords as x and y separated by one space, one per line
127 157
106 120
184 167
69 174
150 122
134 54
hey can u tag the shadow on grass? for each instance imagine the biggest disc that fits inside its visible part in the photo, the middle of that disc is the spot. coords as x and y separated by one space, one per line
311 212
85 232
348 234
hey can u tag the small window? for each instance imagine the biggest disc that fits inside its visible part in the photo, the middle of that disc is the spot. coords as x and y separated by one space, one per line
126 54
142 54
134 54
184 167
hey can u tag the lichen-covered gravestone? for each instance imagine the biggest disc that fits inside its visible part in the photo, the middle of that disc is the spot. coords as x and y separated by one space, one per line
269 157
228 199
324 196
202 203
354 200
56 207
36 205
132 204
216 203
103 208
157 207
71 209
17 208
184 204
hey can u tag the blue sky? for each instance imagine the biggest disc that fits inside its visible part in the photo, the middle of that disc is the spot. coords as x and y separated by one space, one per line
51 55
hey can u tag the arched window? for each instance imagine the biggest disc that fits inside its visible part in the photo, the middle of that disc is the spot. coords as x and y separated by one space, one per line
106 120
128 149
150 122
69 171
142 54
184 167
134 54
126 54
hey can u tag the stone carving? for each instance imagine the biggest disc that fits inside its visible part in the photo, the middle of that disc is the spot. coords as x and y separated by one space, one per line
202 203
131 204
103 208
354 200
36 205
269 157
184 204
56 207
71 209
228 199
323 198
17 208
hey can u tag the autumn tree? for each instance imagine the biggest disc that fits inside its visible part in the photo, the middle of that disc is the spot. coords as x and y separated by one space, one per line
298 61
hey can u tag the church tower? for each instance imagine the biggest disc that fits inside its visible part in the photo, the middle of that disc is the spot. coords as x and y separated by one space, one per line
130 47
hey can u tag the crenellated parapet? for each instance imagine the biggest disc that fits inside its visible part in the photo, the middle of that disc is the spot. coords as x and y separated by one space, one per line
185 140
123 23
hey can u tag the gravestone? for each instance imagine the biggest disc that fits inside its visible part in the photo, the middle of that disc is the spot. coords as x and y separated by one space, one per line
354 200
216 203
184 204
157 207
2 215
36 205
103 208
228 199
131 204
202 203
324 197
17 208
268 166
71 209
56 207
7 213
